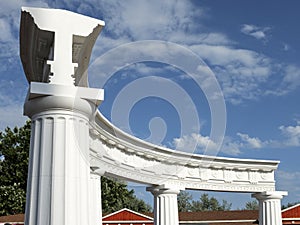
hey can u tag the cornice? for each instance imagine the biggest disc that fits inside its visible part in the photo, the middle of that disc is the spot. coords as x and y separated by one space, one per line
115 153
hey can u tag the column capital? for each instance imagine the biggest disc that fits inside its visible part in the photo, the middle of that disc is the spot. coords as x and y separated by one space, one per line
98 171
270 195
158 190
43 97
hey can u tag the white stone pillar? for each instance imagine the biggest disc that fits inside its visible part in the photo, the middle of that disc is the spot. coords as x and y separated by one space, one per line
95 199
59 171
270 207
165 206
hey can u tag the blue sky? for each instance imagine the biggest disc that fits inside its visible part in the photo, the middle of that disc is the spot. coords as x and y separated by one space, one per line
250 48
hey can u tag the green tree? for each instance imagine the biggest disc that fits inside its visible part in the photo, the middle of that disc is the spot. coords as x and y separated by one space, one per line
290 204
184 201
251 205
206 203
14 155
116 196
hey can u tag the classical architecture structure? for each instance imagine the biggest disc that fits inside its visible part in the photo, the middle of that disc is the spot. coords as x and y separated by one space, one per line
72 144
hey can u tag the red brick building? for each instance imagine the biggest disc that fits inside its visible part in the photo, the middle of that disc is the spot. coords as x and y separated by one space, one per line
13 219
291 215
124 216
127 217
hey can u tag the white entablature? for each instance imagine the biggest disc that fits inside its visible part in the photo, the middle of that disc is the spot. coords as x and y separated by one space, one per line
115 153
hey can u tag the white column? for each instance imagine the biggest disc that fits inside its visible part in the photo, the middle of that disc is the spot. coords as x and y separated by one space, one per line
270 207
59 171
95 199
165 206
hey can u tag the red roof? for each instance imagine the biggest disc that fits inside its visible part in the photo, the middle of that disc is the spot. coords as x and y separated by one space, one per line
290 215
234 215
126 215
291 212
243 217
13 219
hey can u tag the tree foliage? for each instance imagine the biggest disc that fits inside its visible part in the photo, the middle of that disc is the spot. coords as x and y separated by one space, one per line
116 196
184 201
14 155
205 203
290 204
12 200
252 205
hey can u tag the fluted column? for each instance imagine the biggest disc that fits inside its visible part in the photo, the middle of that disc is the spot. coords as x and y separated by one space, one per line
95 199
270 207
165 205
59 171
55 50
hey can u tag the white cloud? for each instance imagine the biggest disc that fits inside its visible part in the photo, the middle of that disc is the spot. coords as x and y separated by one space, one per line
255 31
235 146
194 143
291 77
284 79
247 75
147 19
203 38
251 142
240 72
174 21
203 144
231 147
291 138
224 55
292 134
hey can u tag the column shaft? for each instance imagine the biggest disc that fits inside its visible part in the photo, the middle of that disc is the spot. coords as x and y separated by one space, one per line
58 179
95 200
270 207
59 182
165 206
55 49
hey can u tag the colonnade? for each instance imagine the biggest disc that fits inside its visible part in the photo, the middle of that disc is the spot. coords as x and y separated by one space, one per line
166 206
62 187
